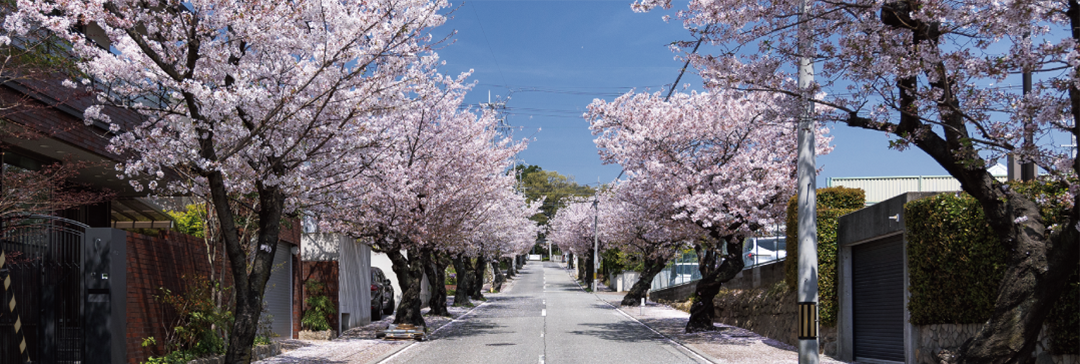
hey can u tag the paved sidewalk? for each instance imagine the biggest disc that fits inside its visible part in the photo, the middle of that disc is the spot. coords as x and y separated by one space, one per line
359 345
729 344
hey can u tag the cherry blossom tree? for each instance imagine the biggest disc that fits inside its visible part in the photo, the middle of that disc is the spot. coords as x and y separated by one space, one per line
937 75
639 219
572 229
501 227
440 165
255 98
729 156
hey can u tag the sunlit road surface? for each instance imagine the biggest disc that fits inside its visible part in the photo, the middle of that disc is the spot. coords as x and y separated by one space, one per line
545 318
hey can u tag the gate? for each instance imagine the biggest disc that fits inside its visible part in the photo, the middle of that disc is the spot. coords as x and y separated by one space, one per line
44 256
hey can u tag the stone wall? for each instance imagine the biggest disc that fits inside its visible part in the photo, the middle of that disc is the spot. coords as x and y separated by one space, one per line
931 339
769 311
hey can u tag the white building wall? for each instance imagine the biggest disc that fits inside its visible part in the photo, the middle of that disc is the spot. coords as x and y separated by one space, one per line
321 247
354 283
883 188
382 261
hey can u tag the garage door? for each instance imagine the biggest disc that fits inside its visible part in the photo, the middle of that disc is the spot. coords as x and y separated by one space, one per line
278 295
878 290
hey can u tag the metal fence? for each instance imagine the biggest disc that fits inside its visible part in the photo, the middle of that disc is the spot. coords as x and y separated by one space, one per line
684 267
44 262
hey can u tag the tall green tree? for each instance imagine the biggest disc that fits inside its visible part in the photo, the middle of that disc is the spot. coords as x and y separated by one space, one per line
537 183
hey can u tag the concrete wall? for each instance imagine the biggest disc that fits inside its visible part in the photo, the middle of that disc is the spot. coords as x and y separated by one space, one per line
871 224
623 281
677 293
762 275
759 276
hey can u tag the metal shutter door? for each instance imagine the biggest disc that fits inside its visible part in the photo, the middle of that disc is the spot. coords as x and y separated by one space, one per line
878 280
278 295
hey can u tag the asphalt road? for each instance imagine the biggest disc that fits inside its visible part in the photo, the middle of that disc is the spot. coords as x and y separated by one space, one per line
545 318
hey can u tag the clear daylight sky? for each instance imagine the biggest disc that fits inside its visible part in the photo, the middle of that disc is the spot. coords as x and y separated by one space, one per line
552 58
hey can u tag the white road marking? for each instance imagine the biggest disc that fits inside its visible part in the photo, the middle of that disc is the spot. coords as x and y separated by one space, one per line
541 359
541 334
543 312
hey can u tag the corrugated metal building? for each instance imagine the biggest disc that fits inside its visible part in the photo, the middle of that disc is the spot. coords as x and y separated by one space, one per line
883 188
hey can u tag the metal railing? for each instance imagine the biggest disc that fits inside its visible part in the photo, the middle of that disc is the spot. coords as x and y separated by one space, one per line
684 267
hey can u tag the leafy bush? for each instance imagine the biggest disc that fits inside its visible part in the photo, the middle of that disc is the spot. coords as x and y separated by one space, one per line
202 321
956 263
832 203
319 307
191 221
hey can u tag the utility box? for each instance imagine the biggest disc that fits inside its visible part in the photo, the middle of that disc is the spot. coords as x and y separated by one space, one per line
105 279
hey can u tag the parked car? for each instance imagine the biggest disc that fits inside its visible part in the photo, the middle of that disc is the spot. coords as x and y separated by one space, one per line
763 250
382 295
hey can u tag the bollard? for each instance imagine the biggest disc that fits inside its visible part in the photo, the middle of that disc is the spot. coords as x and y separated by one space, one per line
641 311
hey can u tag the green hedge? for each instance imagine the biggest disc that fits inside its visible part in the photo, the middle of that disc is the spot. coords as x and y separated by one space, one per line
956 263
1063 323
832 203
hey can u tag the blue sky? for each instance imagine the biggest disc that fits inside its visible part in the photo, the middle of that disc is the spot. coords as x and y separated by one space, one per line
554 57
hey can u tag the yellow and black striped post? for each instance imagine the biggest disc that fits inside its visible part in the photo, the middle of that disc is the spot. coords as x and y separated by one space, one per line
11 308
808 320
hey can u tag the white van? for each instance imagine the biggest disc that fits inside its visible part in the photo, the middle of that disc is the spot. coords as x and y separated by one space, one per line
757 251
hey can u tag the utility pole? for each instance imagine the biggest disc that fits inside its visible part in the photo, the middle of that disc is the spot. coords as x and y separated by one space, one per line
596 238
807 295
499 107
1027 169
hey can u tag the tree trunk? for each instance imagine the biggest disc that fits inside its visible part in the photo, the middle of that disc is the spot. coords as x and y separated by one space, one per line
410 274
496 284
712 277
581 268
461 268
249 287
435 268
510 271
653 266
476 291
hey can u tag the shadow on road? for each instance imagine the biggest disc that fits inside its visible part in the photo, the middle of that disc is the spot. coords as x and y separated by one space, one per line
626 331
472 327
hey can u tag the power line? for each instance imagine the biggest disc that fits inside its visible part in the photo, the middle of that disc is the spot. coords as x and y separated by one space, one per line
488 42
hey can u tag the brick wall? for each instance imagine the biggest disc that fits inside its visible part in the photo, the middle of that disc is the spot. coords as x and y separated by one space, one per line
154 262
162 261
326 272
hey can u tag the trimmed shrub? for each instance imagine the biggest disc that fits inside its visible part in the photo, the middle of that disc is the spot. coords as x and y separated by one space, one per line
956 263
832 203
